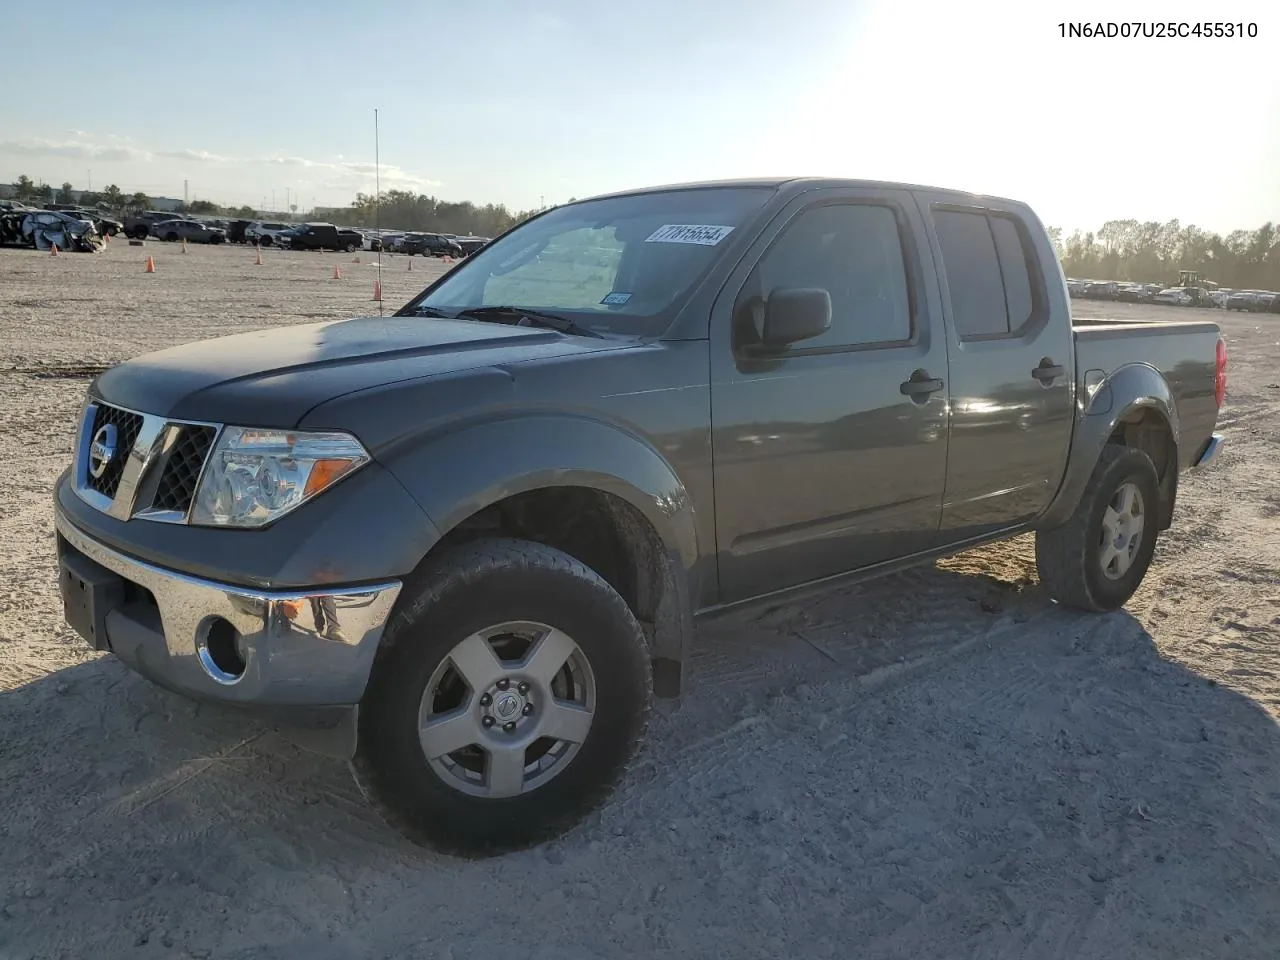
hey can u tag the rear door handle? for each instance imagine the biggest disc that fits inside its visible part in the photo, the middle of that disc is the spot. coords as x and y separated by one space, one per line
920 385
1048 371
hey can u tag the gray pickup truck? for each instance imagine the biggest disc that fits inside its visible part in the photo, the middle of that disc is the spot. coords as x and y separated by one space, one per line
470 541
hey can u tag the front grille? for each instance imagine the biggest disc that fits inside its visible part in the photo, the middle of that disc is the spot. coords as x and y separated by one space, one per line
127 425
182 470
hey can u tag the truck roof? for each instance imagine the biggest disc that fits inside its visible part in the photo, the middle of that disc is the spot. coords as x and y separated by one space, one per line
777 183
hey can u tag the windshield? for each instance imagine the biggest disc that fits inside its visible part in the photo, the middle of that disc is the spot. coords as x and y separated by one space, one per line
619 264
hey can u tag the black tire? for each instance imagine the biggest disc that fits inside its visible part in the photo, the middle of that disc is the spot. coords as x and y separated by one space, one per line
171 237
1069 557
466 589
139 233
351 248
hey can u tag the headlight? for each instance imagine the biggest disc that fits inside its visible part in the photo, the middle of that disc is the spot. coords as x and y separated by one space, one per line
254 477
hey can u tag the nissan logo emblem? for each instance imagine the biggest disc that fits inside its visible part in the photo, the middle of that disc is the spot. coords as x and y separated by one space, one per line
102 450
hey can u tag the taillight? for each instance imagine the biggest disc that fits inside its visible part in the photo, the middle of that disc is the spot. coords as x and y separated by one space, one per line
1220 375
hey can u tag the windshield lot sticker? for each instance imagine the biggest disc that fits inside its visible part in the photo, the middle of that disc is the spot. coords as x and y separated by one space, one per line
707 236
616 299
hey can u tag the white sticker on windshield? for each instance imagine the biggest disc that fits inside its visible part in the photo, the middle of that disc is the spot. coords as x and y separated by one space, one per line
704 234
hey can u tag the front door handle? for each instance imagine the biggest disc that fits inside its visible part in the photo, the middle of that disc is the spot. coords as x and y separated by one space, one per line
920 386
1048 371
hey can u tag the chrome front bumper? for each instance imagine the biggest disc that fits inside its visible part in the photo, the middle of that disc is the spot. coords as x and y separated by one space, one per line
284 648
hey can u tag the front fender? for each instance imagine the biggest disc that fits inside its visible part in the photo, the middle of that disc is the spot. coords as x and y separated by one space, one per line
1133 387
455 474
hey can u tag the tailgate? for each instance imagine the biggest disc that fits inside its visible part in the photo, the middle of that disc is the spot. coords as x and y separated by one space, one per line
1185 353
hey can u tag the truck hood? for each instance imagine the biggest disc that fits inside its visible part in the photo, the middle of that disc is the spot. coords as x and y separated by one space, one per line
271 378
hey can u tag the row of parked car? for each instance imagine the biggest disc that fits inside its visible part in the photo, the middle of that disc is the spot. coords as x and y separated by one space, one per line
1251 301
175 227
327 236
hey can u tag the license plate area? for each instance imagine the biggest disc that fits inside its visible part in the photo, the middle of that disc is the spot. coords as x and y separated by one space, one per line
89 592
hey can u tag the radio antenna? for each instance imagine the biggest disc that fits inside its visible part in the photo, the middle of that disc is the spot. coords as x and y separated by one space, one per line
377 203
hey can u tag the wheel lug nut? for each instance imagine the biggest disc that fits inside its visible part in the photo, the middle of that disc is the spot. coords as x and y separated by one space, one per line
509 726
485 700
487 721
503 684
523 686
528 709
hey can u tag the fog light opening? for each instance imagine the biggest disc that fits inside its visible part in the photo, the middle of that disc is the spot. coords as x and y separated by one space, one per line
220 651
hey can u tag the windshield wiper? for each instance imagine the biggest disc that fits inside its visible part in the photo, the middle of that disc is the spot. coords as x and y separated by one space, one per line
431 312
521 316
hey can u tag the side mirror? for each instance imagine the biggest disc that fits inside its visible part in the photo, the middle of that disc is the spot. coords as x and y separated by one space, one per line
795 313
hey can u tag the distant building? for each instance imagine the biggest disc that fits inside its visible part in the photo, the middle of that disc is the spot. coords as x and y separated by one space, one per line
9 191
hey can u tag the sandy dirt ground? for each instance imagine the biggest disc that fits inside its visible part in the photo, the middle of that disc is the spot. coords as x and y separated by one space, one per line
936 764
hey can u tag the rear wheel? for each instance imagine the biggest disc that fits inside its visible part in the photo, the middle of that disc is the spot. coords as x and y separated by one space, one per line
1096 560
510 693
171 237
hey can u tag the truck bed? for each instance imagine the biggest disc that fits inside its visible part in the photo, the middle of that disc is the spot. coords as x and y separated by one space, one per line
1185 353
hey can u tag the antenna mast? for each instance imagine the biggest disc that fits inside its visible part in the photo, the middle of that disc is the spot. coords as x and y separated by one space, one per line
377 201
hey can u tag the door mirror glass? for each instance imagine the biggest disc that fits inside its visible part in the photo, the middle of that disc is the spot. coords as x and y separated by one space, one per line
792 314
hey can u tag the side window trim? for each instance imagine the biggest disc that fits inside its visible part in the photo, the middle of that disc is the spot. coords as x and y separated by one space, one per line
910 264
1031 261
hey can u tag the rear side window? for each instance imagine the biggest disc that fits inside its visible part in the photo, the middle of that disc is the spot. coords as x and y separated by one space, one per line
973 273
988 273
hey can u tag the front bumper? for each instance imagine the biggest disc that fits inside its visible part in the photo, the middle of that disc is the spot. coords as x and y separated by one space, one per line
209 640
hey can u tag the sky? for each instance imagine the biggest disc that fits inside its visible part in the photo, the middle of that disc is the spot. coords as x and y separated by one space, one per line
525 102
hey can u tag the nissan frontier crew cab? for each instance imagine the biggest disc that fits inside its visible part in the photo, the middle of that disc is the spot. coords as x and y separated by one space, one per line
471 540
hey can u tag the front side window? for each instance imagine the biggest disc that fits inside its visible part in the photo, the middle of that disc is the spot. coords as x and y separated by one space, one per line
618 264
854 252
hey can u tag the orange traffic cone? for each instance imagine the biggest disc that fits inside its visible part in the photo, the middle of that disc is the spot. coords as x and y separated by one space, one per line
411 265
377 291
184 244
337 274
257 261
151 266
53 250
106 239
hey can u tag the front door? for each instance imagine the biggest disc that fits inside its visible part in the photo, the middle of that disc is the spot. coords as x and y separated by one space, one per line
830 455
1012 368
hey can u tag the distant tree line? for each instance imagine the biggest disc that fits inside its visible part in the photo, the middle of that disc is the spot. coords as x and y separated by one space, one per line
404 210
1154 253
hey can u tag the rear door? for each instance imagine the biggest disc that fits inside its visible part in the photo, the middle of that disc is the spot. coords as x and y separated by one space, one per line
1012 358
823 461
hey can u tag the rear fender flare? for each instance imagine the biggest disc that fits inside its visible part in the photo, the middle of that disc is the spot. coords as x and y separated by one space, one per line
1131 388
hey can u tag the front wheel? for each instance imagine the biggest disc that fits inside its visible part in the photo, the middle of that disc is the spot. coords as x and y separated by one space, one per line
1096 560
509 695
